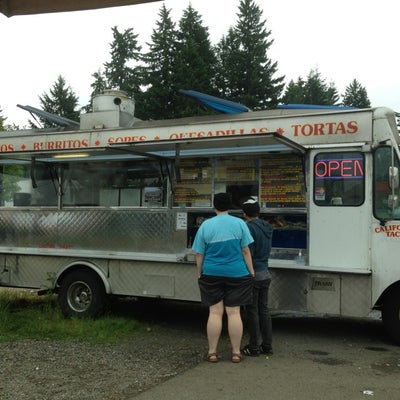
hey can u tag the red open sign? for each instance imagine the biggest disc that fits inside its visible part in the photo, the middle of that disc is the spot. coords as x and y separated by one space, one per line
339 168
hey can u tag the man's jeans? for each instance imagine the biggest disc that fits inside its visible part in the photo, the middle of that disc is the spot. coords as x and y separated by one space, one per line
258 317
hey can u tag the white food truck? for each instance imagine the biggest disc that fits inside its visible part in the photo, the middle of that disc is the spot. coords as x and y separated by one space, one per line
110 206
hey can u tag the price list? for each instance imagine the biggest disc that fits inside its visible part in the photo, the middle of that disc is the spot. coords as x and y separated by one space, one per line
195 186
282 181
235 171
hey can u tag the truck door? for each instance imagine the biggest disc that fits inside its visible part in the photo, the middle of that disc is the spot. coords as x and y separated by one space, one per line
386 225
385 238
339 216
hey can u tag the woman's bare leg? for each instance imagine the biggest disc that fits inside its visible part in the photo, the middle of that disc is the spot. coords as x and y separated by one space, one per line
235 328
214 326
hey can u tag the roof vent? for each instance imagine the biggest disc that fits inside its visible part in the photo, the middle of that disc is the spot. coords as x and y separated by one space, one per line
111 109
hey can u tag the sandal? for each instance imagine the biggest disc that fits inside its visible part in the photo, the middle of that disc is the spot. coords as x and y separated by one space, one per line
236 358
212 358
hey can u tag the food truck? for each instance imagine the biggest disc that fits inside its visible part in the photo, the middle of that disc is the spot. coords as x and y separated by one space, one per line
110 206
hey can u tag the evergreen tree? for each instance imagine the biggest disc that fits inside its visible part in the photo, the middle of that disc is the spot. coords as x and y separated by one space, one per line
246 73
195 62
2 120
160 97
227 59
61 101
99 85
317 91
124 71
332 95
294 92
313 90
356 95
125 51
6 127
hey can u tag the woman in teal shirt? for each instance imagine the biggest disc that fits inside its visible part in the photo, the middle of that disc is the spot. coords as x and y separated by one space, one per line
225 272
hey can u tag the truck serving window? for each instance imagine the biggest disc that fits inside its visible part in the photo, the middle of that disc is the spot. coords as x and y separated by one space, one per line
140 183
23 186
113 183
385 195
277 180
237 176
201 177
339 179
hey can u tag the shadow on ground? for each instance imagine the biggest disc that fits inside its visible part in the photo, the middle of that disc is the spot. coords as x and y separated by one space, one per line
193 317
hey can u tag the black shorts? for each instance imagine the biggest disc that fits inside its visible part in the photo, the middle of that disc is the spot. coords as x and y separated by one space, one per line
233 291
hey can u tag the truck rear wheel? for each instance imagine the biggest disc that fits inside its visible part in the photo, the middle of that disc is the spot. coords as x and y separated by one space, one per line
391 315
82 295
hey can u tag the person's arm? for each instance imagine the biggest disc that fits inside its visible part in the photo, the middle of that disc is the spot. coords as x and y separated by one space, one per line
248 260
199 263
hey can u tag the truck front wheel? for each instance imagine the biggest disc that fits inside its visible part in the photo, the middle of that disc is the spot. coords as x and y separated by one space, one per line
82 294
391 315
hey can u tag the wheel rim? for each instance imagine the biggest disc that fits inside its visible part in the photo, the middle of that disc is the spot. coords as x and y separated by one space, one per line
79 296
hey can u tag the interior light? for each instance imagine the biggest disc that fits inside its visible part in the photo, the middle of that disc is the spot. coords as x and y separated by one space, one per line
71 155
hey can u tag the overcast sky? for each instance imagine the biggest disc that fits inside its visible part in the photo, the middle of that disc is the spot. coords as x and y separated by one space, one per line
344 39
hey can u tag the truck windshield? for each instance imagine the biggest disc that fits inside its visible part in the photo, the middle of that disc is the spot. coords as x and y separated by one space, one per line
384 207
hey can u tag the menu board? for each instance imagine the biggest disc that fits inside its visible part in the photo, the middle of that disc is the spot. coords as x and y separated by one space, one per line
282 181
235 171
195 185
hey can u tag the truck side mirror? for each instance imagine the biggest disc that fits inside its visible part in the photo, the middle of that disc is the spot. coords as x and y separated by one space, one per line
393 177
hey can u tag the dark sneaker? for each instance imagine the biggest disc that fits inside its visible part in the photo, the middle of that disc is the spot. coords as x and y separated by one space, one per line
248 351
266 350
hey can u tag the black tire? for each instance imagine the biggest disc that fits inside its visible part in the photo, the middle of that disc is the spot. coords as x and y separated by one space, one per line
82 294
391 314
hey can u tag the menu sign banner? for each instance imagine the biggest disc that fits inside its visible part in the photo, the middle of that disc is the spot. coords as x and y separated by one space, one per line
282 181
195 185
235 171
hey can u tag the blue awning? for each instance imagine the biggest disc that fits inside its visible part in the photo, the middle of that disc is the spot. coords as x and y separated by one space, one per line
225 106
314 107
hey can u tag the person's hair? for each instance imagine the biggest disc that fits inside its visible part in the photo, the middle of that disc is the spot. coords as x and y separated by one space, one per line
222 201
251 208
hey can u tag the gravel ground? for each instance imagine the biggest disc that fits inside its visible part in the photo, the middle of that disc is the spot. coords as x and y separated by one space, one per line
341 356
44 369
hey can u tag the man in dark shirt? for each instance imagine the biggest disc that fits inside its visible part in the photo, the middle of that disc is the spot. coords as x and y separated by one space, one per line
258 315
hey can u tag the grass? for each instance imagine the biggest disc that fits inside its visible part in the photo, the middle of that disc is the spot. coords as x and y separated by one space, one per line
25 315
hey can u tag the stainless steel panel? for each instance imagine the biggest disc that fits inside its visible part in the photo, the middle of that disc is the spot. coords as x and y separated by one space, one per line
159 285
116 233
320 293
154 279
288 290
38 271
356 295
323 293
4 271
143 230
